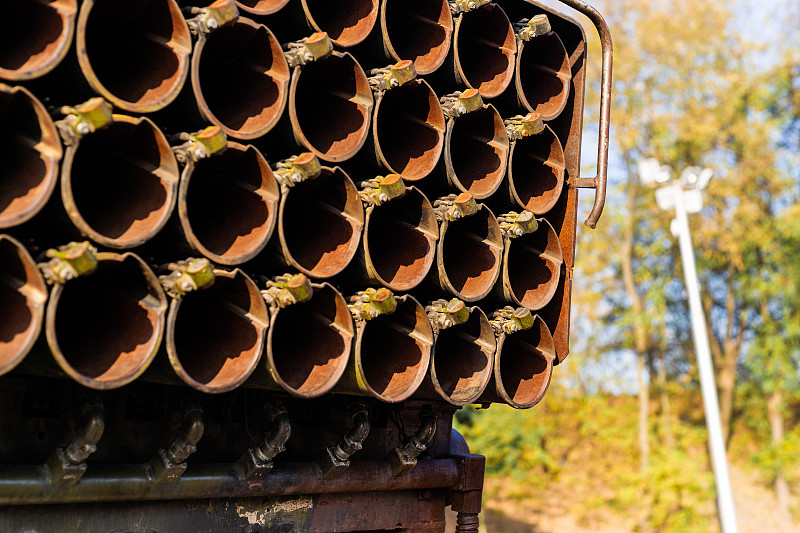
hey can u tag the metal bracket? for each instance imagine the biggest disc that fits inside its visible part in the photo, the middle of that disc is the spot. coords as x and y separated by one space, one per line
599 182
207 19
287 289
372 303
397 75
337 458
454 207
463 6
519 127
514 224
308 49
169 465
382 189
443 314
200 144
460 103
509 320
187 276
297 169
257 462
66 465
69 262
404 458
83 119
527 29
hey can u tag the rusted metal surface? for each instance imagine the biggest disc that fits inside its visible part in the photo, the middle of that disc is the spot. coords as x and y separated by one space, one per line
418 30
319 224
309 340
240 78
476 144
330 105
130 209
36 38
484 46
261 7
105 327
461 364
23 294
532 260
135 54
227 201
396 213
523 362
347 22
393 346
215 333
470 248
30 150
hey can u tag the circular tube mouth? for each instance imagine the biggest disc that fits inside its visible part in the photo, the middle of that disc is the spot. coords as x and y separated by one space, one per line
240 78
543 75
228 204
215 336
523 365
409 220
476 152
532 266
393 351
329 106
308 344
470 255
320 223
536 171
23 294
133 53
484 47
261 7
408 127
105 328
119 183
36 37
30 150
347 22
419 30
461 365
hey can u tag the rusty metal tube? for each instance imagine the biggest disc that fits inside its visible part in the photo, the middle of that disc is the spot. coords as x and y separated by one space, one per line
319 224
30 150
536 171
408 130
408 221
476 148
347 22
133 53
419 30
240 78
308 345
104 328
36 37
119 183
531 267
484 46
215 336
468 254
463 354
329 106
228 204
261 7
23 294
391 354
523 366
543 75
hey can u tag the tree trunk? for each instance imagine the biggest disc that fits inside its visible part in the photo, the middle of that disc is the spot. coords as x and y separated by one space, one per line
774 408
666 410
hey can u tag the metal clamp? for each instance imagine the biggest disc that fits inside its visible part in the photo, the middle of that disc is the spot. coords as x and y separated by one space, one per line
372 303
337 458
69 262
83 119
287 289
527 29
463 6
297 169
187 276
67 465
382 189
509 320
397 75
169 465
200 144
460 103
514 224
599 182
454 207
257 462
404 458
207 19
519 127
308 49
443 314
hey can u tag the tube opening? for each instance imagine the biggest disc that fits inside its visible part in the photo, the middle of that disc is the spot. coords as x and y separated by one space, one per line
534 267
544 75
395 351
107 325
478 151
419 30
241 78
219 333
462 359
231 202
471 254
525 370
485 45
347 22
409 130
408 220
311 343
261 7
331 105
134 53
36 37
322 221
22 297
122 180
536 171
30 150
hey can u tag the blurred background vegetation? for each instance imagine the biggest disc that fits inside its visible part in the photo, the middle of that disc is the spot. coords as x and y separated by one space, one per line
619 443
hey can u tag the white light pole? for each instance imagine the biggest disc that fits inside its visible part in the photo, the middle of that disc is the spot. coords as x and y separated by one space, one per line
690 200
